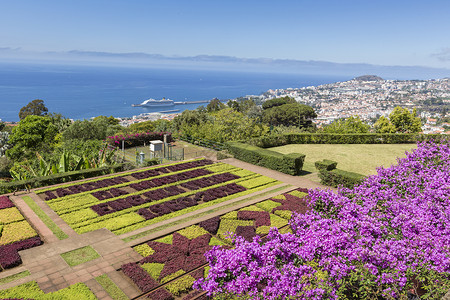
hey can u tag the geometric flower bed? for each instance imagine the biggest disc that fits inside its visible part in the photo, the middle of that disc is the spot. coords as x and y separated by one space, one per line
15 234
128 201
171 264
31 290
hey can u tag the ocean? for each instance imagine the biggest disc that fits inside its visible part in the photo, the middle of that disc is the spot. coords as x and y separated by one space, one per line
81 92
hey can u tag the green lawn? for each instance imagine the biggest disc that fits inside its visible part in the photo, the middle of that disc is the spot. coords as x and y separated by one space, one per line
81 255
359 158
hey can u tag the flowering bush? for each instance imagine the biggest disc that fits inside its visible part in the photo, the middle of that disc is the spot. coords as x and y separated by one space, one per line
383 238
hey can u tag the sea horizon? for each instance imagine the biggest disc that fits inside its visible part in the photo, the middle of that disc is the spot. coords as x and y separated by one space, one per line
83 92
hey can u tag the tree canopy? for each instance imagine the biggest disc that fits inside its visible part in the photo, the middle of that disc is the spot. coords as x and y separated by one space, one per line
277 102
293 114
352 124
32 134
401 120
97 129
35 107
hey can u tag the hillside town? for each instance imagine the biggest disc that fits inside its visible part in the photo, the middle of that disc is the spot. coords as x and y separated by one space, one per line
370 97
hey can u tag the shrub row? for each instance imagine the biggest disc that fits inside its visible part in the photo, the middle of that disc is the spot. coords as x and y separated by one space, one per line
289 164
338 177
276 140
331 176
61 178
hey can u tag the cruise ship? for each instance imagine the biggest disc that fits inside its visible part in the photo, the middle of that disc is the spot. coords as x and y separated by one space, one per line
153 102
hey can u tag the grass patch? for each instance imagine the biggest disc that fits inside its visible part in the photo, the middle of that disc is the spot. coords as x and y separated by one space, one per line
358 158
81 255
14 277
44 218
111 288
147 232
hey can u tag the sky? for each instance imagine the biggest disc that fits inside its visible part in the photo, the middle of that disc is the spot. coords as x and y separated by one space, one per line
380 32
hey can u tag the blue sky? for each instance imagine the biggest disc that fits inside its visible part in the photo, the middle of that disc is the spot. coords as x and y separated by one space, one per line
407 33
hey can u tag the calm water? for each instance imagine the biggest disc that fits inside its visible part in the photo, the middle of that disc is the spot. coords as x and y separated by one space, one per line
80 92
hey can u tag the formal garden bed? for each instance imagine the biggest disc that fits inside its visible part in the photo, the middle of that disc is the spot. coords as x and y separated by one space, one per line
15 234
172 263
132 200
31 290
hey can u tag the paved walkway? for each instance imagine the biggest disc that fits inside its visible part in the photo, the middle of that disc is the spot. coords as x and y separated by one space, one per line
52 273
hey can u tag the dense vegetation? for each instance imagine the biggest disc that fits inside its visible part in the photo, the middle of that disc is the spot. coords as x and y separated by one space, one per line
46 143
383 238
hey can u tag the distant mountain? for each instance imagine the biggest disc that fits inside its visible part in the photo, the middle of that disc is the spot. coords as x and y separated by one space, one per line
307 67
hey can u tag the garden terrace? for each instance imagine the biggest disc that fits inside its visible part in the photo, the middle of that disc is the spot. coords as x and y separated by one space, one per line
125 202
172 263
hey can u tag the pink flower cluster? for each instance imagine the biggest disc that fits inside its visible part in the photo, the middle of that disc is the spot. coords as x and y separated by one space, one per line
380 237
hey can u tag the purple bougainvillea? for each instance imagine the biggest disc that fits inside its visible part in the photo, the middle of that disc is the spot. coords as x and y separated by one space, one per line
383 238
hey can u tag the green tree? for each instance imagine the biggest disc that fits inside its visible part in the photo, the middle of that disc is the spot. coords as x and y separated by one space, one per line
401 120
278 102
145 126
405 121
294 114
35 107
229 125
383 125
111 120
189 120
32 134
215 105
352 124
96 129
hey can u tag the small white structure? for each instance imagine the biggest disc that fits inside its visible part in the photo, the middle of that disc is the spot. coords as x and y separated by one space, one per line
156 145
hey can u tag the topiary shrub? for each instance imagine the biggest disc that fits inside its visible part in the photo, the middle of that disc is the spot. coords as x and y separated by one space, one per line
291 163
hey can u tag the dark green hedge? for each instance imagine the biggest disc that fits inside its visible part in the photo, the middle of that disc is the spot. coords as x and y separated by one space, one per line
338 177
289 164
276 140
61 178
325 165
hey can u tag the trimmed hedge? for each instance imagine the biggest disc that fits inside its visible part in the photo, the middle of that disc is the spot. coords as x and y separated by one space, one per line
338 177
276 140
61 178
331 176
291 163
325 165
